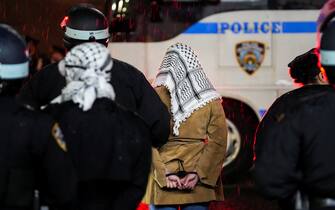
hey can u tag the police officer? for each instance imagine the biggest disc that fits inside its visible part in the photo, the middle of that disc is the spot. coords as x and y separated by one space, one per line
295 141
32 152
110 146
87 24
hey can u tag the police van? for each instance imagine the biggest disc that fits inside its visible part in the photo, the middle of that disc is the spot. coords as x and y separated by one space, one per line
244 47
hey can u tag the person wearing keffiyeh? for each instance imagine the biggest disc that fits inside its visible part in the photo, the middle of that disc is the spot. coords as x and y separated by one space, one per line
87 73
186 169
109 145
84 23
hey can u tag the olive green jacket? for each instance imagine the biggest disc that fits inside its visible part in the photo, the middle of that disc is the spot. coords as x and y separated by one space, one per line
200 147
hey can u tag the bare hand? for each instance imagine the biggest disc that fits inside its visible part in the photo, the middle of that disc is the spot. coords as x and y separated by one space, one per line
173 181
190 181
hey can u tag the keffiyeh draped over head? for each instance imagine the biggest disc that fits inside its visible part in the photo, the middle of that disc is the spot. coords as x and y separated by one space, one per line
189 87
87 70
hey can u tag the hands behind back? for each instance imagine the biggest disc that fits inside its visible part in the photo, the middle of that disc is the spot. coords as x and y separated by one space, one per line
187 182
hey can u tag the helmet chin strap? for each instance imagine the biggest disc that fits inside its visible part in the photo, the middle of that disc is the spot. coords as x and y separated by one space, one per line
67 44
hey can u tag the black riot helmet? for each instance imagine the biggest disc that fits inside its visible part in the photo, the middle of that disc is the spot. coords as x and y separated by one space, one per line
84 23
327 51
325 39
14 61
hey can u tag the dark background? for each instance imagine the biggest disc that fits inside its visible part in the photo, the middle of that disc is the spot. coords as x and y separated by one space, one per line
144 21
39 19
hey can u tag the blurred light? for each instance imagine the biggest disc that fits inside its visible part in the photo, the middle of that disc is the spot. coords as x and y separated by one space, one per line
26 51
114 6
64 22
118 15
120 6
123 15
124 9
126 1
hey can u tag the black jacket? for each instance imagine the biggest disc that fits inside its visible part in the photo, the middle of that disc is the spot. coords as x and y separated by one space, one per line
295 145
132 91
106 142
31 158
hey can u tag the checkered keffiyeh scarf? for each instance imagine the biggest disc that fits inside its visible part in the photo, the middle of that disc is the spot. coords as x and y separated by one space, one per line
189 87
87 70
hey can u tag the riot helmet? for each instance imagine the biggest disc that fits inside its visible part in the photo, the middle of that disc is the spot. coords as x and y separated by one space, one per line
327 51
14 60
325 39
84 23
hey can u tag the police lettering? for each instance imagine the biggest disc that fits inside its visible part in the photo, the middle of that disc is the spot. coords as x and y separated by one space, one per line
251 27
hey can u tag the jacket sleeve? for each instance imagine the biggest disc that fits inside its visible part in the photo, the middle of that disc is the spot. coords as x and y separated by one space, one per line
154 112
210 163
58 180
276 151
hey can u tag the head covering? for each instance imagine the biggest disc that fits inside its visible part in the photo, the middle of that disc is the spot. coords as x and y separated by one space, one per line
86 69
304 68
190 89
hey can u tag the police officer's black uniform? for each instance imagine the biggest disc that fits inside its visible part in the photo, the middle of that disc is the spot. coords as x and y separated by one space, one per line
295 140
32 152
295 146
132 89
111 150
32 157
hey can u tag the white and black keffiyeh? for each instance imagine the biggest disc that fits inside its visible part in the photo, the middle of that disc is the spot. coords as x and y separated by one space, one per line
87 70
189 87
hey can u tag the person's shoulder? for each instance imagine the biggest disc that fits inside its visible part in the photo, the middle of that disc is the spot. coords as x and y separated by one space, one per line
309 98
162 91
126 74
122 66
48 71
50 67
315 93
297 96
288 95
216 106
215 102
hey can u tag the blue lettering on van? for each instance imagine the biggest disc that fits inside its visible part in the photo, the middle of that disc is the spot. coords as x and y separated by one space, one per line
246 29
236 27
265 27
256 27
276 27
251 27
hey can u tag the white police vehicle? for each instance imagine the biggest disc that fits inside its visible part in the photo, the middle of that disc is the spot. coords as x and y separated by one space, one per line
244 47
